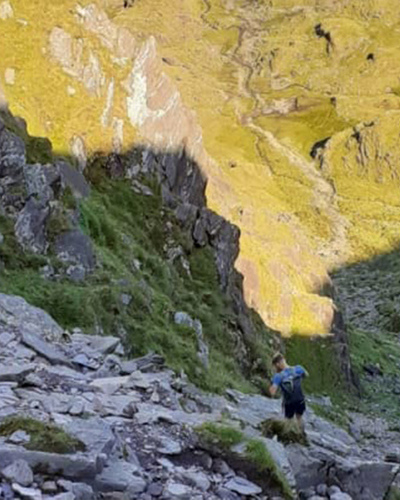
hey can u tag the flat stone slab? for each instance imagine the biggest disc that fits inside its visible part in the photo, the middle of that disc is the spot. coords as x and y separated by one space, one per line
77 466
120 476
40 346
16 312
15 373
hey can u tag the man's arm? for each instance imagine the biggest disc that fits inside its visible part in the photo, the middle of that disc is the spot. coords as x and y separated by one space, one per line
273 390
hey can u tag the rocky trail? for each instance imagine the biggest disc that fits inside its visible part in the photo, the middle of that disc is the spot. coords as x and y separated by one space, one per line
139 426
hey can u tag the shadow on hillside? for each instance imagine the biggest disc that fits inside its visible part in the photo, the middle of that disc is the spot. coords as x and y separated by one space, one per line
147 209
180 187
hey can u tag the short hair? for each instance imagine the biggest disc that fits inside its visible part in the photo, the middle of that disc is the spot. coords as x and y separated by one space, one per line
278 357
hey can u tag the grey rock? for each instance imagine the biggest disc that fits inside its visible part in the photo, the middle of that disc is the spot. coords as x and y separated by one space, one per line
120 476
198 480
94 432
16 312
315 497
15 373
71 466
83 491
243 486
109 385
307 493
1 239
182 318
12 153
155 489
340 496
170 447
322 490
74 247
128 367
30 227
65 496
126 299
19 437
225 494
177 491
40 181
104 345
28 493
51 353
18 472
49 487
333 489
73 179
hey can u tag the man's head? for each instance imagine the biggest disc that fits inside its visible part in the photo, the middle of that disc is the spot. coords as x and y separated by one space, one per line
279 362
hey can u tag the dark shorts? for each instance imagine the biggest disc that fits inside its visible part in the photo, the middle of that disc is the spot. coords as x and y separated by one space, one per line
293 409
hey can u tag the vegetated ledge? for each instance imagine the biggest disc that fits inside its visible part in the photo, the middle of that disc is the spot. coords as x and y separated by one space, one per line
42 436
124 247
247 454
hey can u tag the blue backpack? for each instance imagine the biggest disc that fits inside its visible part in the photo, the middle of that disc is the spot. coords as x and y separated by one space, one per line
291 387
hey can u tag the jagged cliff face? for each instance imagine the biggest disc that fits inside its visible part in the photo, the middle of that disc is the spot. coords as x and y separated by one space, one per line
289 107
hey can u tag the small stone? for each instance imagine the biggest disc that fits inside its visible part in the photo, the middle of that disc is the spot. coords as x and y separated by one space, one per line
9 76
155 489
225 494
243 486
322 490
197 479
1 239
170 447
82 491
49 487
340 496
68 495
126 299
71 91
6 10
18 472
28 493
77 408
177 491
333 489
19 437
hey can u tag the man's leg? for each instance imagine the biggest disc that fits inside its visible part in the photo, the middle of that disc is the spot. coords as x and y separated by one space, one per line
300 409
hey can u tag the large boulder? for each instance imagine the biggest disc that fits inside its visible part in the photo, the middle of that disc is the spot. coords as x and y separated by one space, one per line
16 313
30 227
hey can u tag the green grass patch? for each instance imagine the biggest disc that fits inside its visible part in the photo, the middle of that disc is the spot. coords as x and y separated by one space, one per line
224 437
259 462
257 454
319 358
44 437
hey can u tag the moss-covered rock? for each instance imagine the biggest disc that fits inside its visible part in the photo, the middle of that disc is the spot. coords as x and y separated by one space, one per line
43 436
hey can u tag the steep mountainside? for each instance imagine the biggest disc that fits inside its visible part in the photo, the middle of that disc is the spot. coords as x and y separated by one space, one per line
289 107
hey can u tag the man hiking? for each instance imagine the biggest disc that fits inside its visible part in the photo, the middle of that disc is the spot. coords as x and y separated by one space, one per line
288 379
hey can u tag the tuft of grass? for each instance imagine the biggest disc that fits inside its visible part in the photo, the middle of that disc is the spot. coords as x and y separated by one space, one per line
44 437
287 431
257 454
220 435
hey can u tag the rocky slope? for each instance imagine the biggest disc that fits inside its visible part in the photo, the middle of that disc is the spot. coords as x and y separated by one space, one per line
289 108
144 433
